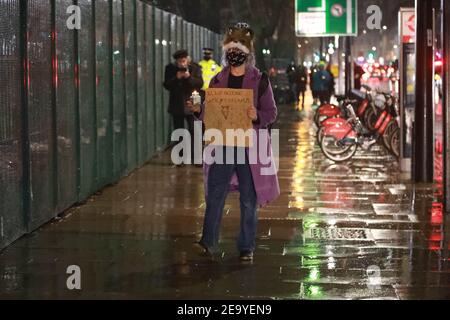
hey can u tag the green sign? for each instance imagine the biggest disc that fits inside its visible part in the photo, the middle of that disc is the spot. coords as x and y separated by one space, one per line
324 18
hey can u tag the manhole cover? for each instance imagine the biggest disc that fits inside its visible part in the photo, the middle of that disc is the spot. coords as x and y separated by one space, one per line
339 234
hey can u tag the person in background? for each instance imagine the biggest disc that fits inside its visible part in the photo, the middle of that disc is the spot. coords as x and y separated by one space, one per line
291 73
313 70
210 68
321 84
301 80
359 72
331 84
182 78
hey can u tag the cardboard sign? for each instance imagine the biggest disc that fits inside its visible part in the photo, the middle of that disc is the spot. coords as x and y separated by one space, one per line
226 109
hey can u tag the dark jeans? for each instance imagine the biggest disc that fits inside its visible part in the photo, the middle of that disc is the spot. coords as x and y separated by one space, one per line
178 123
218 186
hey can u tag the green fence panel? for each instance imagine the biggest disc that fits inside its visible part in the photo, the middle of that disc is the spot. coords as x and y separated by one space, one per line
207 42
203 43
141 84
207 39
197 43
185 35
40 113
179 41
217 47
176 35
104 91
174 41
166 55
159 78
119 124
66 109
11 161
87 101
150 112
130 82
189 38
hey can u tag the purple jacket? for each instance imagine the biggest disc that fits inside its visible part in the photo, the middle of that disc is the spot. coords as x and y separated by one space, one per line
266 186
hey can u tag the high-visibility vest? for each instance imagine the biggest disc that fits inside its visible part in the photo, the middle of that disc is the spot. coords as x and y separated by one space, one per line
209 70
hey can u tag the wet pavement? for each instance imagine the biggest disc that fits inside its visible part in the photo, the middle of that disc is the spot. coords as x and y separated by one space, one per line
357 230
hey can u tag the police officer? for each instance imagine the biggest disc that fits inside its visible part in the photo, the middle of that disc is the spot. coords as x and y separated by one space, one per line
210 68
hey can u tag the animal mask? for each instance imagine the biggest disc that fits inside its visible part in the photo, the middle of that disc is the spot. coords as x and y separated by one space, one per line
241 37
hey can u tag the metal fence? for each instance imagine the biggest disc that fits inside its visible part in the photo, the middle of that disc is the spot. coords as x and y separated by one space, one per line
79 109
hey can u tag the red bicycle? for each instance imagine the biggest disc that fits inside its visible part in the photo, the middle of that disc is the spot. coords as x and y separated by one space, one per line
340 138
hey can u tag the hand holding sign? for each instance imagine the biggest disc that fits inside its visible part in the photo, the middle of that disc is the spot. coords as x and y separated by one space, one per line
252 113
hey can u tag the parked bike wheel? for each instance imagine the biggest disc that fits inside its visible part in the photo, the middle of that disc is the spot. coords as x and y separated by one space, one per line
335 151
395 142
387 136
371 119
317 119
320 136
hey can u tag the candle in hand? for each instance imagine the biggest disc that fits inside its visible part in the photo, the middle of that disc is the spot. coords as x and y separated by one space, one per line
196 98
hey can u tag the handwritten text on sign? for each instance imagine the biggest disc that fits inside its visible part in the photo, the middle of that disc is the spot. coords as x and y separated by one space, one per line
226 111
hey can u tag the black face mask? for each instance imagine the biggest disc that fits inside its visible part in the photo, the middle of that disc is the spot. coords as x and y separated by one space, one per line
236 57
207 58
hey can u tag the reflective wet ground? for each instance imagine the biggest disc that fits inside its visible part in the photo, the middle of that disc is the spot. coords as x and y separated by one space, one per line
351 231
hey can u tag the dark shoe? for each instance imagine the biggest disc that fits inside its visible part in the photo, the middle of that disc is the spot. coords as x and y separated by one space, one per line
204 251
246 256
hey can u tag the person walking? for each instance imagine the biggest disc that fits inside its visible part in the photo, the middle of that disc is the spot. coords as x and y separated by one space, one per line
291 74
359 72
301 80
331 83
313 71
182 78
257 187
321 84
